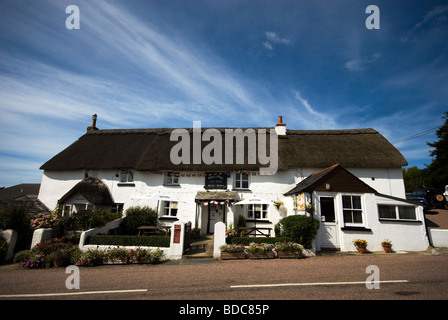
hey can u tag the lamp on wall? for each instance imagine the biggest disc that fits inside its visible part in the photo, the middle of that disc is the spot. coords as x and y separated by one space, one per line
327 186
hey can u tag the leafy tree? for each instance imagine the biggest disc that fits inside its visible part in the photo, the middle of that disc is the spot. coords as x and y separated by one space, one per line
414 178
437 171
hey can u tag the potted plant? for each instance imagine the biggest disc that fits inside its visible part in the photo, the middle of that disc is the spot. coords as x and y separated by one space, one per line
232 251
288 250
278 203
260 251
387 246
361 245
309 208
59 258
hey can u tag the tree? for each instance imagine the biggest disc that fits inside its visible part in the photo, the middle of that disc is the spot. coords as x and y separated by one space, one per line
437 171
414 178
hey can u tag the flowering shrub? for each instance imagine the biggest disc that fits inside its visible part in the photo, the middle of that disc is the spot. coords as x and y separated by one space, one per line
289 247
259 247
3 245
46 251
43 220
360 243
91 258
232 248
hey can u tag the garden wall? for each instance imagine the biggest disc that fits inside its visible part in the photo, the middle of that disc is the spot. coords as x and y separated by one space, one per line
439 237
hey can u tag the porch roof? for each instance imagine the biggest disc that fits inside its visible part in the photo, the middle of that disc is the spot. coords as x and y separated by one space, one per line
338 179
216 196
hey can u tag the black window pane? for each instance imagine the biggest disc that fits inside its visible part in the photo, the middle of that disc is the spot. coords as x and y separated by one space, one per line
407 212
386 212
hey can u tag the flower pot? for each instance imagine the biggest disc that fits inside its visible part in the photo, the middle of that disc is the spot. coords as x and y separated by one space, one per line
59 262
264 255
387 248
362 249
233 255
287 255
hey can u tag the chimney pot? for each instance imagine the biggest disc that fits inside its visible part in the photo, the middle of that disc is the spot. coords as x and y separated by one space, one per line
93 126
280 127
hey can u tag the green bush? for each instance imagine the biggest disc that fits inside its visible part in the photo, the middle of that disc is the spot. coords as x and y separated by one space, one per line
301 229
87 219
136 217
16 218
127 240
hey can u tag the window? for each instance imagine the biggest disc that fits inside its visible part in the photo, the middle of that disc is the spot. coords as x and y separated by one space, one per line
242 180
352 209
396 212
327 209
126 176
118 207
169 209
171 179
257 211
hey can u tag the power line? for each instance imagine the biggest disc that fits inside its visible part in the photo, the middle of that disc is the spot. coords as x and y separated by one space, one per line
417 135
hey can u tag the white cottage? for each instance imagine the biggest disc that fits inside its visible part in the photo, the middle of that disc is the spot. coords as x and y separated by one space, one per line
353 179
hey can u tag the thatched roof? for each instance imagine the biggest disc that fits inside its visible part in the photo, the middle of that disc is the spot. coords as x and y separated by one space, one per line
92 189
149 150
31 206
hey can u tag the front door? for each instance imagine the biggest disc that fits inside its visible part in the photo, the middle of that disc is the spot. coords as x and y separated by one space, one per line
328 231
215 214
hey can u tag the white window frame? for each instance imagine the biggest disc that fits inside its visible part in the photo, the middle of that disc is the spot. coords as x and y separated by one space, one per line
126 176
361 199
171 178
170 207
251 212
396 211
239 179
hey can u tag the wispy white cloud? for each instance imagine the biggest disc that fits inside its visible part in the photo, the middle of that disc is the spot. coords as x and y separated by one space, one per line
274 38
362 63
313 119
433 18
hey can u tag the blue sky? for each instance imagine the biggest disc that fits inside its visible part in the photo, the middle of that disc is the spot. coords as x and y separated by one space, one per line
145 64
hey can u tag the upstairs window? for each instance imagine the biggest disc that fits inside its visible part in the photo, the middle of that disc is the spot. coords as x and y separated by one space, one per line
242 180
171 179
126 176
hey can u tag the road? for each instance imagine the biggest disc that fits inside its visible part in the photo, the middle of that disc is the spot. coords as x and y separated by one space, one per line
401 276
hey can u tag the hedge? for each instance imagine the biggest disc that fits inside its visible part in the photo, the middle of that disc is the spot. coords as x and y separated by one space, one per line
248 240
125 240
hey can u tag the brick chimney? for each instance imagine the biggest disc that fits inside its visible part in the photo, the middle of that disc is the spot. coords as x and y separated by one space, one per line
280 127
93 126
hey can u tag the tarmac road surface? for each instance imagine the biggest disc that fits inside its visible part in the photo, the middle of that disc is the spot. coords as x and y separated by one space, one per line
337 276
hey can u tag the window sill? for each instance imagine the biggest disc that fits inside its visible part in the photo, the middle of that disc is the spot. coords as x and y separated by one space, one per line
171 185
258 221
352 228
400 220
168 218
126 184
241 189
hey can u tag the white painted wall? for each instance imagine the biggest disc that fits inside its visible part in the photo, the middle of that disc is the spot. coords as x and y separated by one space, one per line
405 236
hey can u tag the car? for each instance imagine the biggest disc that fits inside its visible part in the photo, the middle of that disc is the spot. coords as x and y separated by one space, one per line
428 199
